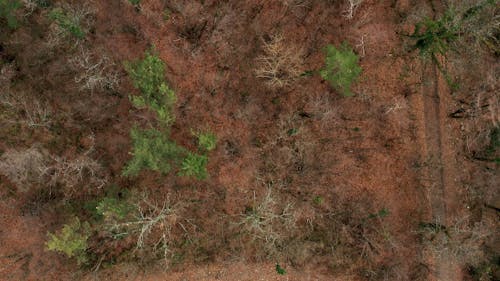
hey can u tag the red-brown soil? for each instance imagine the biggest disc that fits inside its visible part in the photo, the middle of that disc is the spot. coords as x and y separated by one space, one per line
360 154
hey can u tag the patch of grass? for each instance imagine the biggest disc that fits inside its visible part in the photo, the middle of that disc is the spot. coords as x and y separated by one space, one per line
148 75
43 3
483 271
341 68
71 240
7 13
292 132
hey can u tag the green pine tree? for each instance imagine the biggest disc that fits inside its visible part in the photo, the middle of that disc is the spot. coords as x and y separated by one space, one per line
148 75
194 165
152 150
71 240
341 68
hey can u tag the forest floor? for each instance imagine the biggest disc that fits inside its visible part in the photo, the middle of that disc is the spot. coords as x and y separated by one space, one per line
389 156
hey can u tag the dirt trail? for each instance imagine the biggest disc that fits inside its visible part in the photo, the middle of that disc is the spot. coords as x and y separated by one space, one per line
437 170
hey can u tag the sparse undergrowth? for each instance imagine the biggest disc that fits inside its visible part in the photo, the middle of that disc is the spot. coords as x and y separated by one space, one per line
207 141
309 209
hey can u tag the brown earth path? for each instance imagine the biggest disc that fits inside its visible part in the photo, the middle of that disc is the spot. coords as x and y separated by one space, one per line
439 170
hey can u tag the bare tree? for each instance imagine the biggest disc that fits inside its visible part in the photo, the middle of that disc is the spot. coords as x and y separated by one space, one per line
281 64
268 223
23 167
352 6
151 222
80 14
462 241
30 6
94 72
36 166
25 110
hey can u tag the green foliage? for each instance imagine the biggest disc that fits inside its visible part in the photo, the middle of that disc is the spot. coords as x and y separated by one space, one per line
207 141
148 75
7 12
341 68
69 24
166 14
483 271
194 165
493 146
113 208
115 212
292 132
71 240
280 270
43 3
318 200
494 140
382 213
152 150
134 2
435 36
